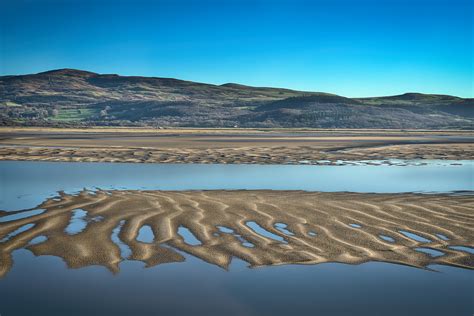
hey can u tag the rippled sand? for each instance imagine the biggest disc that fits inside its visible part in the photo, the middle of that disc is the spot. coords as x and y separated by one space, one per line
259 227
286 146
241 155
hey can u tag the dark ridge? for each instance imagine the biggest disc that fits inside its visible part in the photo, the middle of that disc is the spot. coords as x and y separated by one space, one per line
68 72
70 97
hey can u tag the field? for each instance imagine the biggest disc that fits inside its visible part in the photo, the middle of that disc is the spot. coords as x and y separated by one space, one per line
68 115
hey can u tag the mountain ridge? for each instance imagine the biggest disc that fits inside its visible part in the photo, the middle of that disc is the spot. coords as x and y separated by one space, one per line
72 97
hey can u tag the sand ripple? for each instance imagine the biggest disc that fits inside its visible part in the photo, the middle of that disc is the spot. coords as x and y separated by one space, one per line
259 227
261 154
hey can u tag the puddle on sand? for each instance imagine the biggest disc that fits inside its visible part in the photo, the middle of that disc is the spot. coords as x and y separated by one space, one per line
463 248
17 231
282 227
263 232
247 244
243 241
145 234
387 238
21 215
77 223
188 236
312 233
38 240
414 236
355 225
431 252
441 236
125 251
225 230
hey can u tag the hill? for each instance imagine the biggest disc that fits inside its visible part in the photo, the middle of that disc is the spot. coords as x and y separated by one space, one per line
69 97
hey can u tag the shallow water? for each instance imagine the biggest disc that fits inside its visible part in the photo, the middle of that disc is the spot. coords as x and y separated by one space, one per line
263 232
188 236
21 215
145 234
415 237
77 223
25 184
464 248
44 286
387 238
125 250
197 288
430 252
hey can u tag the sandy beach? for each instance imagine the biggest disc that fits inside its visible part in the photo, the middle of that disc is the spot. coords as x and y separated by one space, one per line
231 146
301 228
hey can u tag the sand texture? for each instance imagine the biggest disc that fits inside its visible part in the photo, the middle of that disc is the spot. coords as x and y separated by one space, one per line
227 146
318 228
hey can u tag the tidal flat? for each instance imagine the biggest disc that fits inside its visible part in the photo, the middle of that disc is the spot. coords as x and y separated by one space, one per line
231 146
258 252
329 236
261 228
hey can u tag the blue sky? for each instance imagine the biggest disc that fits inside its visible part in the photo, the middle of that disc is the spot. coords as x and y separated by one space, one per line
352 48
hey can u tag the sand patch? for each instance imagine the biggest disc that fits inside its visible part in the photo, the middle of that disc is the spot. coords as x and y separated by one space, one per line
259 227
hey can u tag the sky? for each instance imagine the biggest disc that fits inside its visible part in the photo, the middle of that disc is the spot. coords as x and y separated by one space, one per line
354 48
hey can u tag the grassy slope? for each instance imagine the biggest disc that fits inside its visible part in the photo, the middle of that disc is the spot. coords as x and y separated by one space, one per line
80 97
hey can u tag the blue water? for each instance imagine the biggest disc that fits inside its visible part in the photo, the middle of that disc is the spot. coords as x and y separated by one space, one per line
25 184
188 236
227 230
464 248
415 236
18 231
387 238
125 251
283 228
262 231
430 252
145 234
43 286
77 223
21 215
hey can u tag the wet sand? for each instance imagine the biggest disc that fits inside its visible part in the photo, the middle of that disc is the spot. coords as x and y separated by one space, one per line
231 145
259 227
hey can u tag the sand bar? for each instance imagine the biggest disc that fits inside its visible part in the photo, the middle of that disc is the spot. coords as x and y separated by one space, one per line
231 146
259 227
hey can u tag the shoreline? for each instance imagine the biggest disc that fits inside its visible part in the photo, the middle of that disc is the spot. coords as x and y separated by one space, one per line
167 130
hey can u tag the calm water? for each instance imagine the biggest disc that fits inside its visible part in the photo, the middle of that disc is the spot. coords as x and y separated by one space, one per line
44 286
25 184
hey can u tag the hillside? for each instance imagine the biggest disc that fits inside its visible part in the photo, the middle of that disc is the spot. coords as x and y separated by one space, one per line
69 97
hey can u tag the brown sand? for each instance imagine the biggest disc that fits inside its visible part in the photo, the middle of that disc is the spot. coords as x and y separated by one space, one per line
231 146
329 215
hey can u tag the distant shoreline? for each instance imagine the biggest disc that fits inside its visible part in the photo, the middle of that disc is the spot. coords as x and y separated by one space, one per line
190 130
240 146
